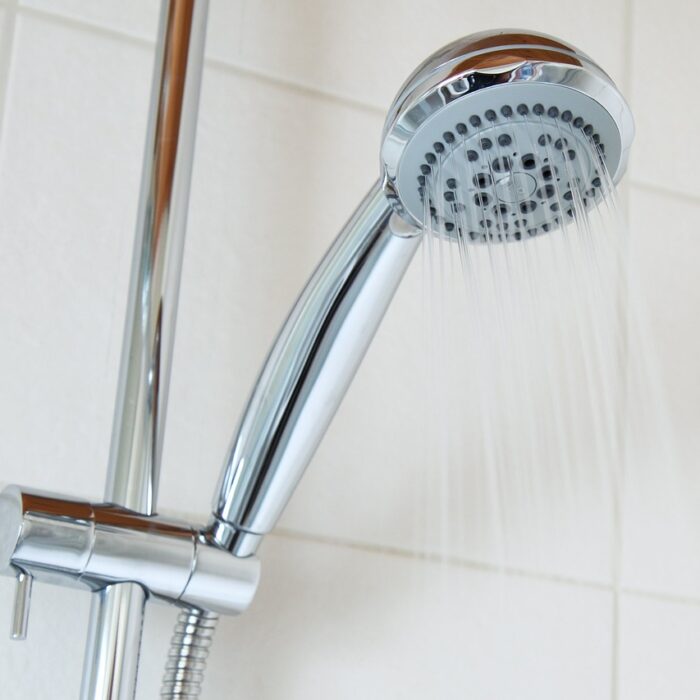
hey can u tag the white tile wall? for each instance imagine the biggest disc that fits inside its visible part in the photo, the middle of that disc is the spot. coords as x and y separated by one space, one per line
364 50
280 198
344 48
658 646
48 664
281 162
69 178
137 18
663 483
6 34
663 95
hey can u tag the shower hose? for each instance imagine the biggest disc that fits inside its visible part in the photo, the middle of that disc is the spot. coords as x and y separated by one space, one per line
187 658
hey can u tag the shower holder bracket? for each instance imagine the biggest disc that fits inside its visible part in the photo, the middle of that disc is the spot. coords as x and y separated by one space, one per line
74 543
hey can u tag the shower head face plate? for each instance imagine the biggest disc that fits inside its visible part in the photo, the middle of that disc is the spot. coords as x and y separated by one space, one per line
526 156
504 135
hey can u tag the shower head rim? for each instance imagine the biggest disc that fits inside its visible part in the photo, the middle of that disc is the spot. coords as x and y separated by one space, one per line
466 66
471 48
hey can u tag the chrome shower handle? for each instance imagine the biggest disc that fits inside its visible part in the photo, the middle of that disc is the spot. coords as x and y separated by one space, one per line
309 369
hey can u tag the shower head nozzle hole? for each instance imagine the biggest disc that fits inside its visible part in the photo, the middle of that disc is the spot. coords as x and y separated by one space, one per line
505 140
548 172
528 161
502 164
482 180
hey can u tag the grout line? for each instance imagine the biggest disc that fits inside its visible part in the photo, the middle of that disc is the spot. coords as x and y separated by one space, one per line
7 34
627 68
617 489
618 485
461 562
627 76
665 191
676 599
301 88
86 25
615 644
435 558
628 45
311 91
405 553
211 62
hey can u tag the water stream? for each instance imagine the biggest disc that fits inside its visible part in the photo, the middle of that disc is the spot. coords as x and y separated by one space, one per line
528 379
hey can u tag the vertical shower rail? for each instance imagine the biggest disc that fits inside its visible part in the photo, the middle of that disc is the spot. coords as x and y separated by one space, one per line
116 616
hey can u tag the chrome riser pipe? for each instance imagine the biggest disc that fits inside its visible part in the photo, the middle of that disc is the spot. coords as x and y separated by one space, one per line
114 630
142 390
111 660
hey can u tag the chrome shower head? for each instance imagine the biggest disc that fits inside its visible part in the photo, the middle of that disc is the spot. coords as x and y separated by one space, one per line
496 136
502 134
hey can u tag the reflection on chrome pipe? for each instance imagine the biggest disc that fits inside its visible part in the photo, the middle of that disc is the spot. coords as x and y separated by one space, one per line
142 396
114 628
113 648
308 371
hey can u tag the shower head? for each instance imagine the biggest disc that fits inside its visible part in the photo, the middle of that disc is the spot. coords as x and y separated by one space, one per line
498 136
502 134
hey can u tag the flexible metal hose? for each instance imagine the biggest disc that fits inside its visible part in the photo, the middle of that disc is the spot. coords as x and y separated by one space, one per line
187 658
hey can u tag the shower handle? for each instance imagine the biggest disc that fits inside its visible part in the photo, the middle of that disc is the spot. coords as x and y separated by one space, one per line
309 369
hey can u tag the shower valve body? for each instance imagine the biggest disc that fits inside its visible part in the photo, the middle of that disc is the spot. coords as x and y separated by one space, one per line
75 543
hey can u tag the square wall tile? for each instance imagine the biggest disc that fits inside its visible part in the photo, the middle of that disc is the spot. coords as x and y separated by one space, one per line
276 175
658 649
358 50
664 295
70 165
365 50
663 95
662 484
138 18
345 623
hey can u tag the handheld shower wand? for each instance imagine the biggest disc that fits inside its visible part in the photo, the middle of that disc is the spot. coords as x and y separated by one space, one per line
496 137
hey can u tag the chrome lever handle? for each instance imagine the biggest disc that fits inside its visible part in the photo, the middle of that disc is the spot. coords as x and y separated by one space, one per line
20 612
